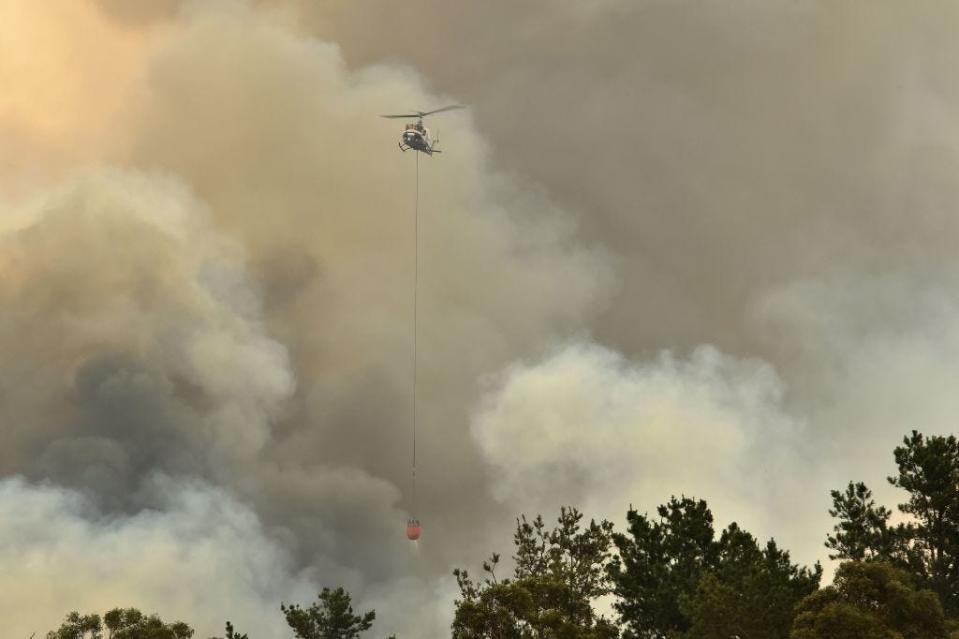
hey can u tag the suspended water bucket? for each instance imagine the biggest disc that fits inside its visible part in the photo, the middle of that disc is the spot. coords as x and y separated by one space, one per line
413 529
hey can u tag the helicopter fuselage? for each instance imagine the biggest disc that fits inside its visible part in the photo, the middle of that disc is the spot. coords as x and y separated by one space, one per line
417 138
415 135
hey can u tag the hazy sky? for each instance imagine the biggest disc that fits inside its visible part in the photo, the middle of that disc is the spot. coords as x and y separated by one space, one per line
671 247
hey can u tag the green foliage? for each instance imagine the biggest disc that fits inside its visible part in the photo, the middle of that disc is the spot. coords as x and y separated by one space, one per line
77 626
659 561
120 623
130 623
675 579
331 617
929 472
751 593
928 547
558 575
231 633
863 531
870 600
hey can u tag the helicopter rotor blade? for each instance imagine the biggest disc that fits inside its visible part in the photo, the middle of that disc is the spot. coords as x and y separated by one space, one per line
404 115
441 109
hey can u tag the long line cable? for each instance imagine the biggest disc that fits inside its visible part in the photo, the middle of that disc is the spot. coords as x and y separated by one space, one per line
416 284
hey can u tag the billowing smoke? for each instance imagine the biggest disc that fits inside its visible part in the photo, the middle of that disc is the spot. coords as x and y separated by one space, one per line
774 179
587 427
127 319
671 247
230 302
198 550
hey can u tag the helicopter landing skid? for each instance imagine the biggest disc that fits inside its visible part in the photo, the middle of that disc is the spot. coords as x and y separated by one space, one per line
404 149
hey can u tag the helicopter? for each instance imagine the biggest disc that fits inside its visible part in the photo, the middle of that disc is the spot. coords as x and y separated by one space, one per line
416 136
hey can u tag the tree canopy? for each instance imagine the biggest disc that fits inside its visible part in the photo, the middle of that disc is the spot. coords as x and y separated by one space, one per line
120 623
927 546
674 578
870 600
863 531
558 575
660 560
331 617
670 575
751 593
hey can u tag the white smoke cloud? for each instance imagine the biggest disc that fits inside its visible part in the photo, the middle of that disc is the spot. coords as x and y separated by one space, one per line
590 428
416 605
201 556
885 345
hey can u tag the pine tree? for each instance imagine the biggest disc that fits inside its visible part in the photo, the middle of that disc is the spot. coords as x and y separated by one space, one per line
659 561
751 593
927 547
331 617
558 575
870 600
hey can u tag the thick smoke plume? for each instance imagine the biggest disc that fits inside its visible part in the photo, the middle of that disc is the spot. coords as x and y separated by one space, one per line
231 304
127 319
587 427
206 263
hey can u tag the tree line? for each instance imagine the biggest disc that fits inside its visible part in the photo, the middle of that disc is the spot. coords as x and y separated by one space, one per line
671 575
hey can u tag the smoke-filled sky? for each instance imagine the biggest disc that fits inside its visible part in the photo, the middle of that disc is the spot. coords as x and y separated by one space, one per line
670 247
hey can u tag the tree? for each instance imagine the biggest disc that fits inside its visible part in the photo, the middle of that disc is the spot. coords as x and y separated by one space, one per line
674 579
863 531
558 575
130 623
231 633
659 561
927 547
331 617
120 623
929 472
750 594
77 626
870 600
